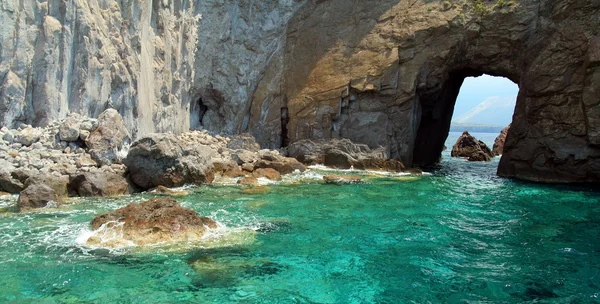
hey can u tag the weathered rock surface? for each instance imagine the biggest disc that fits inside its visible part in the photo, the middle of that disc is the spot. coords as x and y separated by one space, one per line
249 181
99 184
269 173
289 70
343 154
166 160
155 221
37 196
499 142
471 148
109 139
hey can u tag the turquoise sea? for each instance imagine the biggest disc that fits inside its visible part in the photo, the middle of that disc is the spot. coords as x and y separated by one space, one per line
457 235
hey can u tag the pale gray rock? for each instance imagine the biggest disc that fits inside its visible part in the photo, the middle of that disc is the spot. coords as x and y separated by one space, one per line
28 136
109 139
69 129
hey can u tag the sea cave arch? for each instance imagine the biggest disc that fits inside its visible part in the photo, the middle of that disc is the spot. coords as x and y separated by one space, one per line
437 109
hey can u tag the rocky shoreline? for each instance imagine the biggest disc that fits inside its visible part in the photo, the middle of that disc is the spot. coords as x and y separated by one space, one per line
85 157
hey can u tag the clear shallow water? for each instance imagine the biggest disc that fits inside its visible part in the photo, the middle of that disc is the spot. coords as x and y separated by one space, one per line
458 235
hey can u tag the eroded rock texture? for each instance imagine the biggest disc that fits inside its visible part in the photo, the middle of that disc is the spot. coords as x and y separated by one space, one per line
165 66
388 73
383 73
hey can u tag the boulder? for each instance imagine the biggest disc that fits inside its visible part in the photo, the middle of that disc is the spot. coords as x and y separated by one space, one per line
8 182
111 137
69 129
469 147
164 160
36 196
99 184
306 151
338 159
283 166
269 173
342 179
498 147
85 160
243 142
58 183
233 173
154 221
245 157
28 136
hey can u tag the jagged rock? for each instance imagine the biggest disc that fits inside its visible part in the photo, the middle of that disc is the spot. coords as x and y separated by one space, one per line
249 181
245 157
342 179
164 160
69 129
469 147
307 151
243 142
109 138
36 196
269 173
8 182
99 184
85 161
154 221
498 147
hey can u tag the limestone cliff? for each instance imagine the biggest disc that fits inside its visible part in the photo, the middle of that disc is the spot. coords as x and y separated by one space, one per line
166 66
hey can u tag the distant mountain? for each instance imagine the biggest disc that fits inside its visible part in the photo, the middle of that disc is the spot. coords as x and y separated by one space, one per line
475 128
494 110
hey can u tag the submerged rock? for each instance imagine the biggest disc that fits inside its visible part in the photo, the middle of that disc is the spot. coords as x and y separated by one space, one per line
471 148
162 190
498 147
342 179
249 181
151 222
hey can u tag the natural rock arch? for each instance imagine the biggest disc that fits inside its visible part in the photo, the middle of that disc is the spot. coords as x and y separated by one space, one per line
390 73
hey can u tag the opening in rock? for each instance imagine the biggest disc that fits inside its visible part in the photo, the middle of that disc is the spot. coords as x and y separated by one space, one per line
197 112
483 105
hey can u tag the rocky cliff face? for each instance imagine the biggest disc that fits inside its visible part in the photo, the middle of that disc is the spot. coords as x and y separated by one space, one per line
389 73
377 72
166 66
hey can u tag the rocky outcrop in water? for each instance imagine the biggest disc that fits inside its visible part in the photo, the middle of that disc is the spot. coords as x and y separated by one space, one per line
499 142
342 179
343 154
471 148
155 221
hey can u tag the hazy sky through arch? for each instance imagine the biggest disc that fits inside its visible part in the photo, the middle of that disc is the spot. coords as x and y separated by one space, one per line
486 100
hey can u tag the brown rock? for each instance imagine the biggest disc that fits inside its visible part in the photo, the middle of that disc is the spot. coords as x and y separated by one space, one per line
249 181
269 173
469 147
499 142
85 161
342 179
233 173
36 196
99 184
243 142
57 183
155 221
